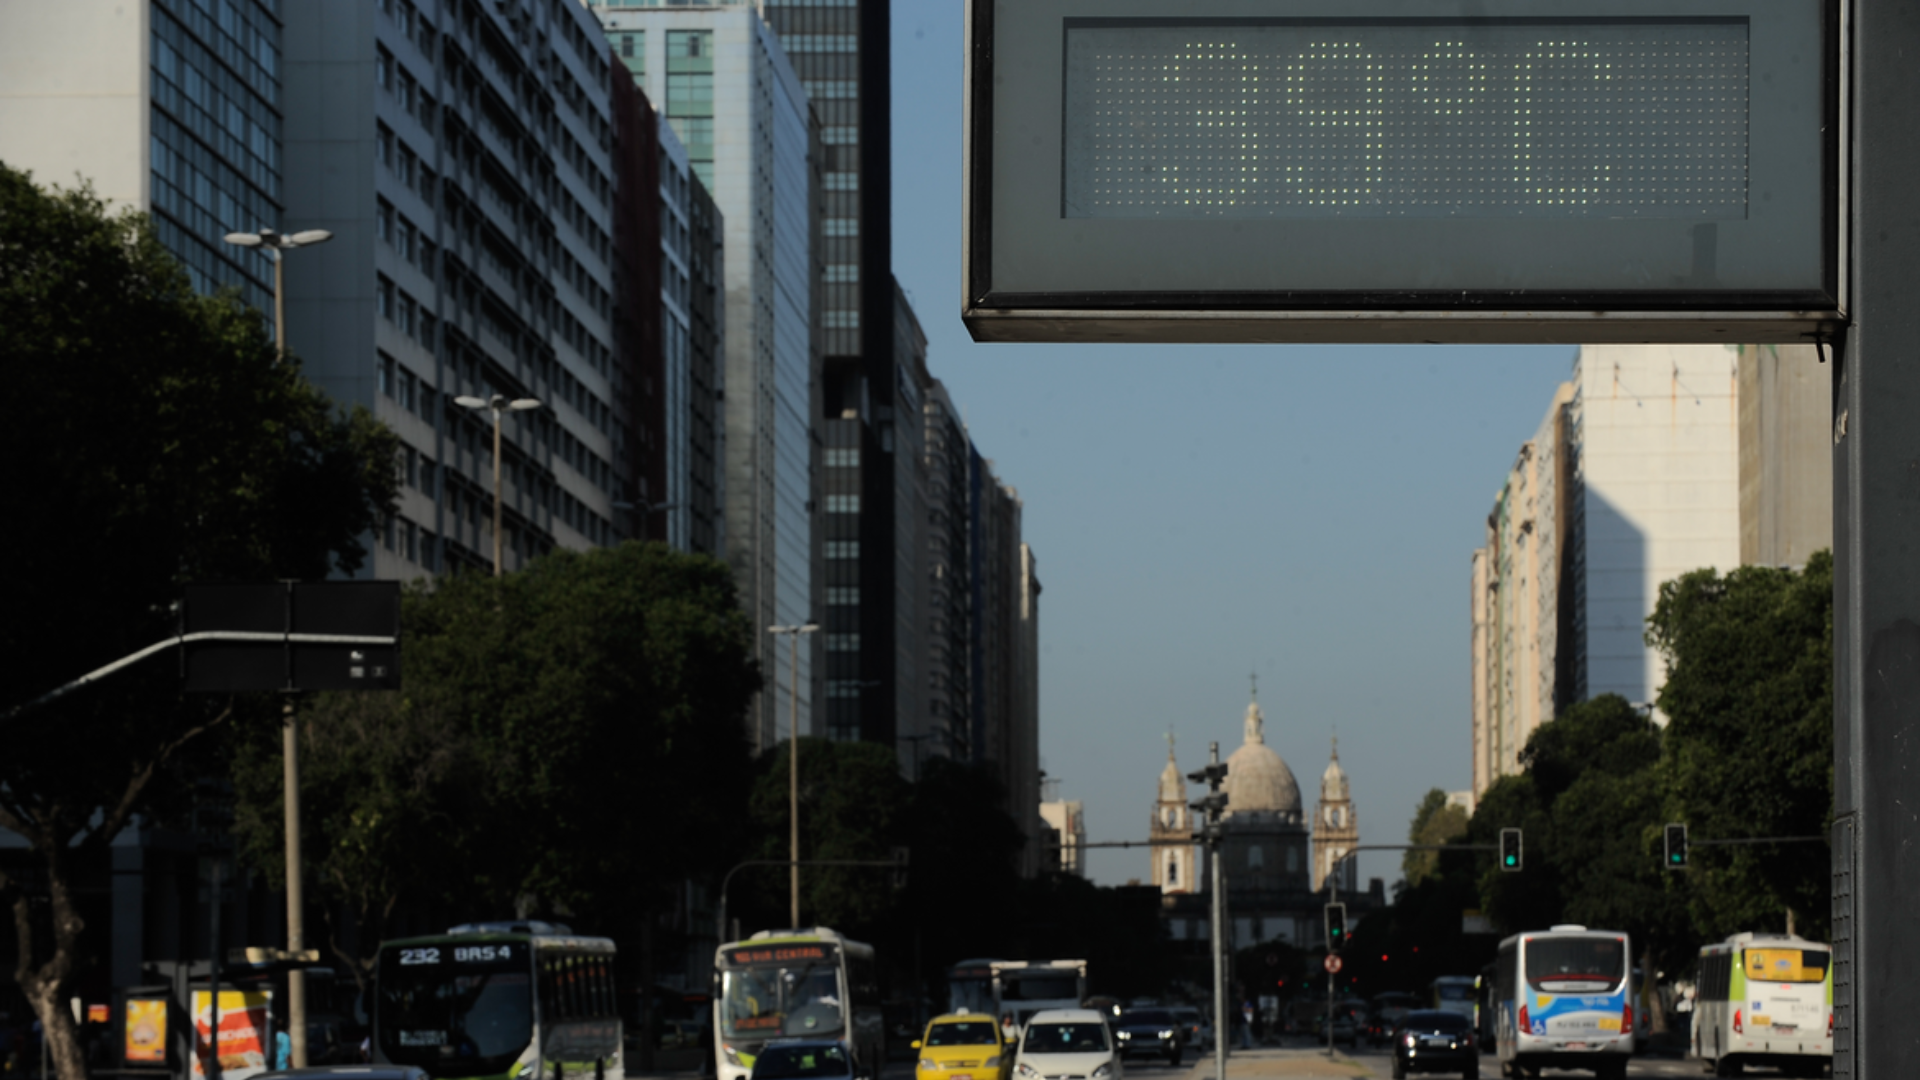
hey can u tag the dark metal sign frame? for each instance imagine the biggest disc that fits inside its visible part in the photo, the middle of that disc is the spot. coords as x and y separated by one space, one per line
1001 304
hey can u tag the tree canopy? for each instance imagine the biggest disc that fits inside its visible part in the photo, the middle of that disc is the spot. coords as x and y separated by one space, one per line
157 438
567 739
1749 694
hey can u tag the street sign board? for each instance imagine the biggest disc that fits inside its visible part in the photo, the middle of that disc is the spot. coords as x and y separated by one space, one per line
1403 170
1332 963
282 613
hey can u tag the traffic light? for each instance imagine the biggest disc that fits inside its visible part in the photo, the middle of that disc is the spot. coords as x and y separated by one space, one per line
1336 927
1510 855
1676 846
1214 805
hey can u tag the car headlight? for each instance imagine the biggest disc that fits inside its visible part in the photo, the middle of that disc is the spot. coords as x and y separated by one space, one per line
992 1062
1166 1034
1410 1040
732 1055
1103 1071
929 1064
524 1071
1026 1070
1123 1034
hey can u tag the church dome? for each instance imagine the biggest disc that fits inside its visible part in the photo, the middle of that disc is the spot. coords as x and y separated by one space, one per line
1333 783
1258 780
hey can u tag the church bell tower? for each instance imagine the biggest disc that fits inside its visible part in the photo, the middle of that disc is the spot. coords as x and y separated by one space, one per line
1173 863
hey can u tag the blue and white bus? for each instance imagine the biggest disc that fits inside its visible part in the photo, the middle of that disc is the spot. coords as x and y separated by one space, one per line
1563 998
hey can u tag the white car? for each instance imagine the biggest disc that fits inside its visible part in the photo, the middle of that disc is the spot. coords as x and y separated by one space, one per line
1059 1044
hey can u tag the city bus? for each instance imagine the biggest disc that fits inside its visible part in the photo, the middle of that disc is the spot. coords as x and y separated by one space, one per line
1563 998
1765 1000
498 1001
970 988
783 984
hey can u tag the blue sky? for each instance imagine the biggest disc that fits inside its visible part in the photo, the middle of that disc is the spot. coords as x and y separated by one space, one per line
1200 513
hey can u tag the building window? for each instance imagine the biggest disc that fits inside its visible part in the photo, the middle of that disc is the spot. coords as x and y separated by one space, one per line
844 596
1293 860
841 320
843 274
832 89
841 226
842 181
843 642
1256 858
840 136
842 457
843 504
843 549
1173 871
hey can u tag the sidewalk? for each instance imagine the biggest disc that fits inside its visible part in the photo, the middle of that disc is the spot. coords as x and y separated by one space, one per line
1274 1063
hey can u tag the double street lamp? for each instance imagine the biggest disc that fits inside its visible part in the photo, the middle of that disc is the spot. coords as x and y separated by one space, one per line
499 404
793 758
280 243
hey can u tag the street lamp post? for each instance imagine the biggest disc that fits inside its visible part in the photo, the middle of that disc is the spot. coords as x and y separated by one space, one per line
793 759
281 243
499 404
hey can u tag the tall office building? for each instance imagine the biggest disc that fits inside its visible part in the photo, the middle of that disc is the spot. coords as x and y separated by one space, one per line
725 86
173 107
462 153
693 302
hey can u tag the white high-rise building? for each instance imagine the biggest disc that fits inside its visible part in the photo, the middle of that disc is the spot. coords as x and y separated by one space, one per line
1631 480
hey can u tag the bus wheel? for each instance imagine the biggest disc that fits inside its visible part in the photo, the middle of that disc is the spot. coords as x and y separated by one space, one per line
1726 1066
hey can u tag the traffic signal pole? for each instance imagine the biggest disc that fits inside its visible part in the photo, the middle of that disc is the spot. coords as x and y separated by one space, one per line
1876 578
1214 806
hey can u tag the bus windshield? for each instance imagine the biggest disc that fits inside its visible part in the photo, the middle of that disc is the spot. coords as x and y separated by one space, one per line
771 1001
1787 965
970 990
454 1020
1064 986
1576 964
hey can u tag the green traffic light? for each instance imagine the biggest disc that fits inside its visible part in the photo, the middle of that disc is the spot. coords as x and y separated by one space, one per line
1511 860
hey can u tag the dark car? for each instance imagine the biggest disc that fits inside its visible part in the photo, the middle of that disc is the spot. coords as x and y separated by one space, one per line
1384 1013
1429 1040
1150 1031
346 1072
807 1059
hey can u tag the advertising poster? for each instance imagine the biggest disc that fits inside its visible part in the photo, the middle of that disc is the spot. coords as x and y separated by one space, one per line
243 1040
146 1031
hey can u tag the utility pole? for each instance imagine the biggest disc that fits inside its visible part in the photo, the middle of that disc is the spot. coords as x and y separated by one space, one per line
1214 806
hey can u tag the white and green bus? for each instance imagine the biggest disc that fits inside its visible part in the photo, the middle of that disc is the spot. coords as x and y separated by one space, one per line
1764 1000
787 984
498 1001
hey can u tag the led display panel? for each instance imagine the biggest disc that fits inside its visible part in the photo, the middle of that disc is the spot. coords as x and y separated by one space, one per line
1367 170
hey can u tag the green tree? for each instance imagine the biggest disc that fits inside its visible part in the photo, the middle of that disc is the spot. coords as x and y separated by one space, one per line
1749 696
158 439
569 738
1434 822
854 804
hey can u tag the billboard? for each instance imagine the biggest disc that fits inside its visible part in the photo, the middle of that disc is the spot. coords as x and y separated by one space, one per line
1403 170
244 1039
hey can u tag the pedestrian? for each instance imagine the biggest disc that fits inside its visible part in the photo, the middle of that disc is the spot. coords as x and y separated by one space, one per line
282 1049
1246 1025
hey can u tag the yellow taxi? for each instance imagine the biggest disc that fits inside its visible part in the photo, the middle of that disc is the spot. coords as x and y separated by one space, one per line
963 1046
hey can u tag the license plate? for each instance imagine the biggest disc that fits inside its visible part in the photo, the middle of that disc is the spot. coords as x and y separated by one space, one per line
1430 1041
1576 1046
962 1076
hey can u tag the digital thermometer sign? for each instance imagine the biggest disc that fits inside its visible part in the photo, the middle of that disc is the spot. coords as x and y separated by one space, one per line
1399 171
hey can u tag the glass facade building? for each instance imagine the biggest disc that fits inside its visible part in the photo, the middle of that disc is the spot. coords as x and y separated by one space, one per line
727 90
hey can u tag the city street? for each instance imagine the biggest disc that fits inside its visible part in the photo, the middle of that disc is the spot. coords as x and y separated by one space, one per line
1300 1060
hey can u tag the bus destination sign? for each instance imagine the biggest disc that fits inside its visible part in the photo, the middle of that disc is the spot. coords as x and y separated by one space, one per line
1403 170
752 955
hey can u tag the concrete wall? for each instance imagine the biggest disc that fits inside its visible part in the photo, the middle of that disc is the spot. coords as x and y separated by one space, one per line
1656 432
71 67
1786 454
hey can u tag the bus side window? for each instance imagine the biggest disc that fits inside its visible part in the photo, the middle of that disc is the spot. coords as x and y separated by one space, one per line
602 988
